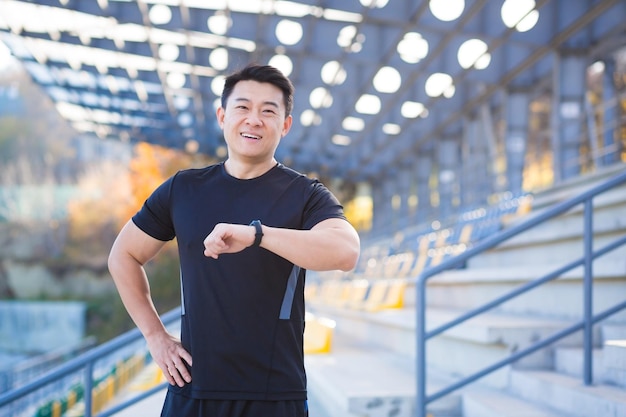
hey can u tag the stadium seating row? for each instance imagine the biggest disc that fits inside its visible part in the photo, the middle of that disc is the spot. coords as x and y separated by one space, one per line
103 391
386 267
411 251
360 294
355 294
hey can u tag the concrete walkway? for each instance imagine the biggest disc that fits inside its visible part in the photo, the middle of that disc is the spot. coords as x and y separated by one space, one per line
151 406
148 407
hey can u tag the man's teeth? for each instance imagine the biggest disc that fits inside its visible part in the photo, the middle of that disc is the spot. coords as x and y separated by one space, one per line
246 135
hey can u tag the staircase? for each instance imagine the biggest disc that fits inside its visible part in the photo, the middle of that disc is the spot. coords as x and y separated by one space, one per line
370 369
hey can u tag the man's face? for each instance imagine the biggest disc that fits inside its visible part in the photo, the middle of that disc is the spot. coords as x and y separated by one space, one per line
254 120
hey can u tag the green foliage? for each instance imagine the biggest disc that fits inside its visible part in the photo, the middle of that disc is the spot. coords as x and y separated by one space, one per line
164 275
107 317
10 128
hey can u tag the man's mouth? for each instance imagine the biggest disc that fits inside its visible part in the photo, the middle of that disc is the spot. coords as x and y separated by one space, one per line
250 136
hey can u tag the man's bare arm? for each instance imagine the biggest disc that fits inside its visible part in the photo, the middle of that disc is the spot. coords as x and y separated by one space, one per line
131 250
329 245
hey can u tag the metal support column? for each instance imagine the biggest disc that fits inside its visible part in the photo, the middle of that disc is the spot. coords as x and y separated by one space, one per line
610 116
517 112
379 214
569 88
403 189
423 171
448 156
476 183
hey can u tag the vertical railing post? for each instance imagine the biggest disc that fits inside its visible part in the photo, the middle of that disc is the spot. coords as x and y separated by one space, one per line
420 354
88 388
588 292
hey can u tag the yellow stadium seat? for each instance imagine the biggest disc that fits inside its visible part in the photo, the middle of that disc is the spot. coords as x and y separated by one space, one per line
422 257
375 297
439 250
466 233
393 298
358 292
331 291
318 334
311 291
407 262
343 294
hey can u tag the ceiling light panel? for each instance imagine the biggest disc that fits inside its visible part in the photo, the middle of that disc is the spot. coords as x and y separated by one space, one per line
114 54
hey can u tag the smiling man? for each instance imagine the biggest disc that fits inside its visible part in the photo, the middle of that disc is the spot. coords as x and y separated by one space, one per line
247 230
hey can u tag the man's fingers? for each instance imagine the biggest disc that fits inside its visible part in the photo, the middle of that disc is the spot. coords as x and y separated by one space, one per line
186 356
177 376
181 370
171 357
214 247
177 369
168 375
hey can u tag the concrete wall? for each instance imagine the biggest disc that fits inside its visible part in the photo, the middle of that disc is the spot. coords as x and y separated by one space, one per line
32 327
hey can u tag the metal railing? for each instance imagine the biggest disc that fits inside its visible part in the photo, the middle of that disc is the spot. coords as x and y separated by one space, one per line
586 324
24 371
85 363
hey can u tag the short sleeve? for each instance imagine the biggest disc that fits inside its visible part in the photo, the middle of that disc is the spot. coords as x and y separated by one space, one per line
154 217
321 205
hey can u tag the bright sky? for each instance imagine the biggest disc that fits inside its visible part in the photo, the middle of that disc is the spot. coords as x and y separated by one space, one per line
7 60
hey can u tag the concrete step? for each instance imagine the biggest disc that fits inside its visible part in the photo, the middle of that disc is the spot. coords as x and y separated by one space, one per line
568 394
572 187
615 362
494 403
487 339
367 381
609 362
468 288
570 361
614 331
607 210
490 328
560 239
460 351
547 253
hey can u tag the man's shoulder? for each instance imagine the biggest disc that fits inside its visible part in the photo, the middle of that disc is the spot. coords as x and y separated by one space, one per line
293 174
190 174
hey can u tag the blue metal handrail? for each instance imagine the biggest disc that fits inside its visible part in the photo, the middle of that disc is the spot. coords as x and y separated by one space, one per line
86 362
586 324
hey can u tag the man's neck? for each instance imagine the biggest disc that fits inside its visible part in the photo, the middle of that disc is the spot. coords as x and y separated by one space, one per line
246 171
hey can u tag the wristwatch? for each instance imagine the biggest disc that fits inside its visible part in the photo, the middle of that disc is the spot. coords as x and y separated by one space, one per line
259 232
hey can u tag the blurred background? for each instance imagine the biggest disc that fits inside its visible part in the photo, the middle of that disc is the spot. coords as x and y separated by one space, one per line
416 114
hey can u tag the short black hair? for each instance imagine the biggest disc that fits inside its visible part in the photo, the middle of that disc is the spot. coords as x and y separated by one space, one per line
262 74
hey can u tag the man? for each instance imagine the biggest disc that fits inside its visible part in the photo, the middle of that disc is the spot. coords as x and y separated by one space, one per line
247 230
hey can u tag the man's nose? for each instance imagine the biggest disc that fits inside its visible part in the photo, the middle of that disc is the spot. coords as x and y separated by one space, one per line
254 118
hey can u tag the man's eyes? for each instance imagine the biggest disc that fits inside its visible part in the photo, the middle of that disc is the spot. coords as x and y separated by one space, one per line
271 111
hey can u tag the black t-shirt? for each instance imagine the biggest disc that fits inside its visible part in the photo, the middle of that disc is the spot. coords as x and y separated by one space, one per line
243 313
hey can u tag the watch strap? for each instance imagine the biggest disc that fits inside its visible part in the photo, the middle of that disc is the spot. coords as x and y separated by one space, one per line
258 235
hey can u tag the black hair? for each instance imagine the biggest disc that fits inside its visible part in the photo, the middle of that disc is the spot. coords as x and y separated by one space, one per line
262 74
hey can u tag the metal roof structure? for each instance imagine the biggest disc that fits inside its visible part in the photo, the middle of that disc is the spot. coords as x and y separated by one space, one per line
376 81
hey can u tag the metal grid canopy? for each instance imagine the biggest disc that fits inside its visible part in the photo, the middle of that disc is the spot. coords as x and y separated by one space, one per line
150 70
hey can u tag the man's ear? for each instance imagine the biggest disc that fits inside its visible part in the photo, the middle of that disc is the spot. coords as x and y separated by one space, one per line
287 125
220 117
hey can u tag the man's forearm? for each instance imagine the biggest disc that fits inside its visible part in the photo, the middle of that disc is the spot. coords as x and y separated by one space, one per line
132 284
319 249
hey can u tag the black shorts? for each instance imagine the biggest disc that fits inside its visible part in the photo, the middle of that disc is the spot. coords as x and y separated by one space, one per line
177 405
